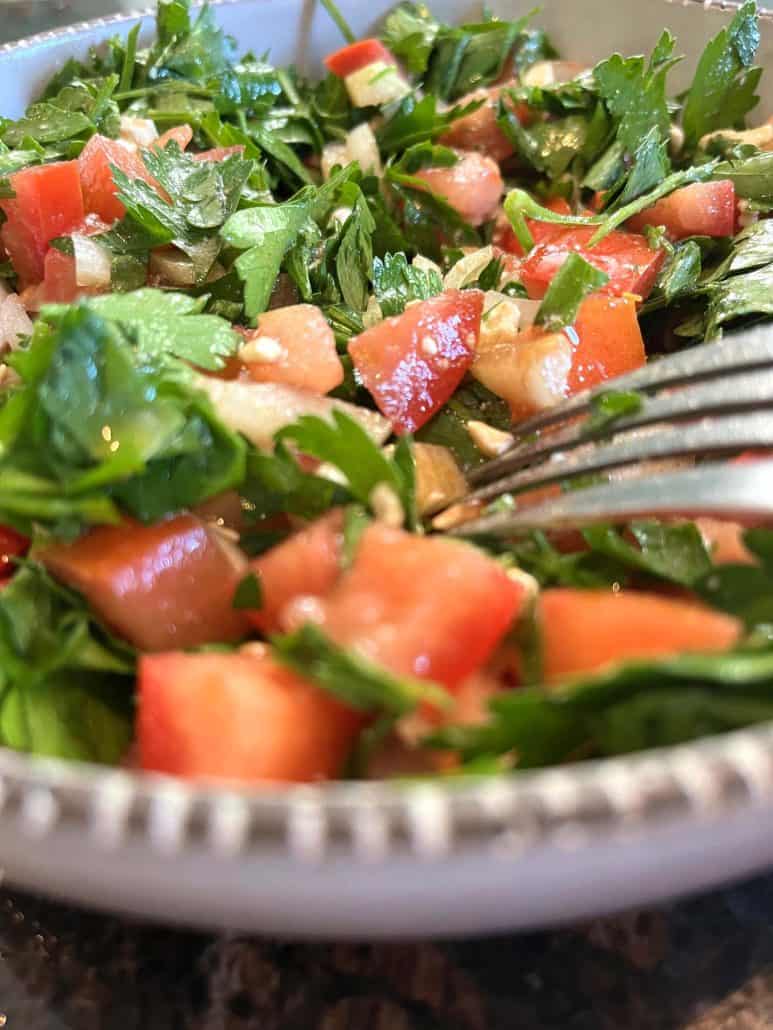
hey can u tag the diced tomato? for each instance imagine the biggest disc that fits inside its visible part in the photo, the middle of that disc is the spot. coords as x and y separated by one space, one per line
293 345
725 541
535 370
99 190
505 237
413 362
479 130
306 565
59 285
629 261
12 545
238 717
583 630
219 153
161 586
352 58
701 209
48 203
421 606
473 186
181 134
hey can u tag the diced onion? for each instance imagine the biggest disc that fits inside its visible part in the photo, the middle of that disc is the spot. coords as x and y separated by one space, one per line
172 267
14 322
92 262
363 148
439 480
468 268
259 410
140 131
376 84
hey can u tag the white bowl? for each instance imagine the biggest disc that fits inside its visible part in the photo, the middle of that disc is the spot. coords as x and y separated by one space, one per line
377 859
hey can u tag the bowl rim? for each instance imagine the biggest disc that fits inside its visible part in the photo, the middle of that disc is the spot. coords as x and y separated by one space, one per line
702 780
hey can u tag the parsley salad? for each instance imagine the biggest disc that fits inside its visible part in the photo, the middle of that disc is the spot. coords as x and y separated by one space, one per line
255 332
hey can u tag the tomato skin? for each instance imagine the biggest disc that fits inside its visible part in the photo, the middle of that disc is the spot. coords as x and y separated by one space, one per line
48 203
59 285
504 235
219 153
181 134
610 342
421 606
584 630
473 186
352 58
628 260
12 545
167 585
99 190
308 564
479 130
413 362
701 209
307 347
238 717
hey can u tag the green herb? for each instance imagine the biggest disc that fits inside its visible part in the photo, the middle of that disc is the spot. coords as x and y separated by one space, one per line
745 591
354 255
448 428
722 92
275 484
751 176
196 51
345 444
351 678
575 279
609 406
470 56
339 20
739 296
410 32
65 684
419 121
249 593
395 283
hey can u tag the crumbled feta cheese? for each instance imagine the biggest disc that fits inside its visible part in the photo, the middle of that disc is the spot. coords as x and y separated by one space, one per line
488 440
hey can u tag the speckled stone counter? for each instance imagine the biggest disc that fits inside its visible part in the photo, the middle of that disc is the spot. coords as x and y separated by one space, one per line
703 964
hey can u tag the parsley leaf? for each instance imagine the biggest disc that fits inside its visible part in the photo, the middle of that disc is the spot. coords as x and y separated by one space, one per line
410 32
353 679
395 283
469 56
419 121
196 51
575 279
722 92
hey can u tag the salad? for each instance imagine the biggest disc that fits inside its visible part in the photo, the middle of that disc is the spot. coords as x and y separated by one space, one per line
256 331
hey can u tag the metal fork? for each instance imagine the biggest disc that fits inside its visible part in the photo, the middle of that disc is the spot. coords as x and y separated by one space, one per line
712 401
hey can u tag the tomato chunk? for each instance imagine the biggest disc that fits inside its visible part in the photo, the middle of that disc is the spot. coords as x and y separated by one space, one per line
421 606
479 130
306 565
293 345
219 153
181 134
412 363
701 209
629 261
59 285
504 235
352 58
48 203
99 189
534 370
12 545
161 586
473 186
238 717
584 630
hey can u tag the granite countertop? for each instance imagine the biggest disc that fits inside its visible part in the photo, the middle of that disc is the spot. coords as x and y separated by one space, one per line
703 964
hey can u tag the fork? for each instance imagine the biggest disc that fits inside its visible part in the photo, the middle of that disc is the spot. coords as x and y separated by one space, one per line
712 401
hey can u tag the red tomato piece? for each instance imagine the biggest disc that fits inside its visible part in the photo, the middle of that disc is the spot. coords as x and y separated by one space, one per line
351 58
701 209
161 586
238 717
479 130
48 203
413 362
609 341
293 345
99 189
504 235
583 630
629 261
421 606
12 545
473 186
181 134
306 565
59 285
219 153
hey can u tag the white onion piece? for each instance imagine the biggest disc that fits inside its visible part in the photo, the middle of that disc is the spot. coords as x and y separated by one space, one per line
259 410
376 84
92 262
468 268
14 322
141 132
363 148
173 267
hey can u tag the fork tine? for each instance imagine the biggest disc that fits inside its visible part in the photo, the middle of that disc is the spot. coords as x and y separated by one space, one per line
717 436
721 490
730 356
752 391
